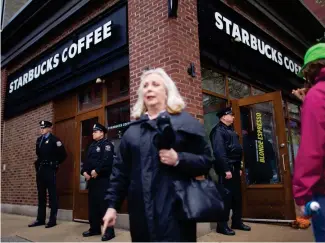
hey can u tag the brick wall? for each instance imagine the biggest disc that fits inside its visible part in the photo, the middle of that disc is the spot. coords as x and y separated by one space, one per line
158 41
18 153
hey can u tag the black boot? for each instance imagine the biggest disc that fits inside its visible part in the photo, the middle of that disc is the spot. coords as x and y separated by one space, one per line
108 237
109 234
224 229
240 226
36 223
50 224
90 233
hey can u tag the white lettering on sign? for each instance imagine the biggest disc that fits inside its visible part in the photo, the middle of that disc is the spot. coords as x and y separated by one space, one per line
101 33
253 42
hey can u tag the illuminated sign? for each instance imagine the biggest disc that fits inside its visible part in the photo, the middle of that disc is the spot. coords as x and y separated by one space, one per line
260 139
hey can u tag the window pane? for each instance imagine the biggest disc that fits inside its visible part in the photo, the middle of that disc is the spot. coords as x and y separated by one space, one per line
237 89
257 91
117 87
213 81
211 105
90 97
260 144
295 138
118 117
293 111
86 140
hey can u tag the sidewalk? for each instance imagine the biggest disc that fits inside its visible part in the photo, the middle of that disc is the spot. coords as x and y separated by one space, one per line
14 228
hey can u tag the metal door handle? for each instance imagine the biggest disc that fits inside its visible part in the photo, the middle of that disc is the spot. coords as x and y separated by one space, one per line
284 167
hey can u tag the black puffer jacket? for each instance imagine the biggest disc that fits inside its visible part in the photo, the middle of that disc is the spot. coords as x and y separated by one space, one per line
226 147
148 184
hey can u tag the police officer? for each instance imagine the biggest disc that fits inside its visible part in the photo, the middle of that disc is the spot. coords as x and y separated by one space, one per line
50 154
228 154
97 170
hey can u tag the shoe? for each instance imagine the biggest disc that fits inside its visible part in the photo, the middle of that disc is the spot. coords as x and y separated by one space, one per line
90 233
108 237
225 230
50 224
241 226
36 223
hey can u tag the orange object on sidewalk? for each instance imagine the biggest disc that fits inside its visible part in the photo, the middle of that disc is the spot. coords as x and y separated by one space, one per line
301 223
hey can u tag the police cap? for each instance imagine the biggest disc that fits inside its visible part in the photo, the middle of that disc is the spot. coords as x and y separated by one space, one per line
224 111
99 127
45 124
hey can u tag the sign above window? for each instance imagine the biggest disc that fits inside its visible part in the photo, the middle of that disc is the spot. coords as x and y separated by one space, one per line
241 35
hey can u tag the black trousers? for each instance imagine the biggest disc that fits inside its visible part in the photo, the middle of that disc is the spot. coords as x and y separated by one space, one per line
96 204
232 197
46 181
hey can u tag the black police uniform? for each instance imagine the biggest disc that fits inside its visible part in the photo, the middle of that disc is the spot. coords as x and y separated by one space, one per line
99 158
228 154
50 154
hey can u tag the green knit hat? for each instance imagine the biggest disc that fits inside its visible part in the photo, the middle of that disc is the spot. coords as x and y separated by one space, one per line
314 53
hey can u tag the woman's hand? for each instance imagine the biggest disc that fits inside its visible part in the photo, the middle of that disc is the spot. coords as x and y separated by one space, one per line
168 157
300 93
109 219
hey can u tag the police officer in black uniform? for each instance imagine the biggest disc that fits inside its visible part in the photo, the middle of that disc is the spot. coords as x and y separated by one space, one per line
228 154
50 154
97 170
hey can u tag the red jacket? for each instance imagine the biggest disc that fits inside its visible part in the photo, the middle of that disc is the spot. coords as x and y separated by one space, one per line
309 169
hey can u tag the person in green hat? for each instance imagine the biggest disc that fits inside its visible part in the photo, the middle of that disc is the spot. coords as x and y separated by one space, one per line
314 60
309 169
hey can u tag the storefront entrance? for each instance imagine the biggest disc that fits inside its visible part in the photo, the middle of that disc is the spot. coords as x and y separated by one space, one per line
266 181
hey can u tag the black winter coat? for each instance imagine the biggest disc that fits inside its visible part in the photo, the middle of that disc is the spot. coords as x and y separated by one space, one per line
226 147
148 184
99 158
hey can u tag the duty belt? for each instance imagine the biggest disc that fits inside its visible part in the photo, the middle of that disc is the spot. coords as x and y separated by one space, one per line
46 162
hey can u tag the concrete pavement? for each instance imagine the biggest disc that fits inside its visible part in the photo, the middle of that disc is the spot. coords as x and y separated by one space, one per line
14 228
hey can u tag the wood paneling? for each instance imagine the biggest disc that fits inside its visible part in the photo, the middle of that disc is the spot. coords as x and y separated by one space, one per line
65 107
65 130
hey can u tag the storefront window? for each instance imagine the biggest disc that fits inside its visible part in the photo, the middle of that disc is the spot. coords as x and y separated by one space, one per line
257 91
293 111
260 144
213 81
86 140
90 97
118 117
237 89
117 88
211 105
294 141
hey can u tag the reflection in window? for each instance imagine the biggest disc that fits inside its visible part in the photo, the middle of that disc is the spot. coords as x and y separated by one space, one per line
260 144
118 117
90 97
237 89
293 111
295 140
211 105
86 140
118 87
257 91
213 81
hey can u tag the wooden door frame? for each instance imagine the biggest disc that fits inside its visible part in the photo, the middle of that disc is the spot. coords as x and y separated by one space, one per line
78 119
284 167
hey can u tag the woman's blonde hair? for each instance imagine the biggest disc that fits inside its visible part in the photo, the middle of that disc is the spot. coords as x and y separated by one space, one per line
175 102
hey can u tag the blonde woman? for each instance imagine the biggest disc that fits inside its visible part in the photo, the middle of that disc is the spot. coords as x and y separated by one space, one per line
145 175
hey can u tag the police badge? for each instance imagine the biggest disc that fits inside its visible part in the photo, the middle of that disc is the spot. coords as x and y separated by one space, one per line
98 149
108 148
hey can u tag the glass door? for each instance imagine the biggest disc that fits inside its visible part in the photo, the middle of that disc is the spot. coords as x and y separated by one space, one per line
266 181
